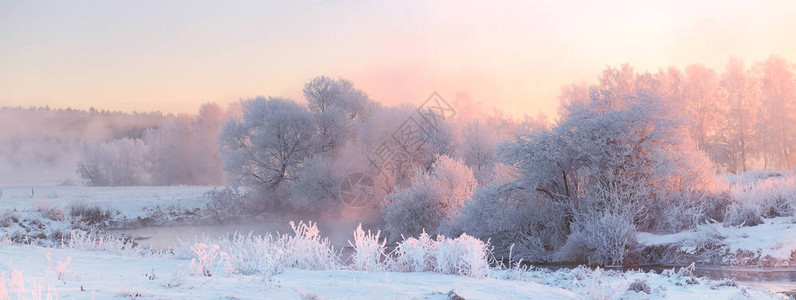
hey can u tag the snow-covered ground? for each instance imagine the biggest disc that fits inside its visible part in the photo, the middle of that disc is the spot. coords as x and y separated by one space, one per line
772 243
43 214
70 273
101 269
131 202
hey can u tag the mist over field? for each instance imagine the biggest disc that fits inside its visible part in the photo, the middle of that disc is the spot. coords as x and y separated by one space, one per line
419 150
40 145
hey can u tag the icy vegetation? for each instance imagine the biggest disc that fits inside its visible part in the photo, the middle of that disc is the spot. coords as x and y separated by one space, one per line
758 229
626 175
302 264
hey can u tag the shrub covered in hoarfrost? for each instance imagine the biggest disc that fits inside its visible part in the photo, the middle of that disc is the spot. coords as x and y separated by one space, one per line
507 215
208 258
317 186
254 254
464 255
305 249
82 240
368 250
415 254
599 238
50 211
269 254
714 206
89 214
682 211
433 198
226 204
775 196
640 286
743 214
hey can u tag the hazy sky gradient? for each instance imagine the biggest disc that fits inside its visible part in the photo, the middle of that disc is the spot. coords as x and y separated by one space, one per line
175 55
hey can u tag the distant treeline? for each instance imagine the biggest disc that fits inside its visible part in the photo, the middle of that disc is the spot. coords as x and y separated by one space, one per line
182 149
742 116
40 145
43 145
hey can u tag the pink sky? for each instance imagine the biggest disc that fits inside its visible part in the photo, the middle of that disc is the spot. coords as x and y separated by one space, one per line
515 55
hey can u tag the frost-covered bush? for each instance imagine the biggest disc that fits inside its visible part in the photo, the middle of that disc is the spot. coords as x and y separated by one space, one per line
369 252
433 198
89 214
680 211
82 240
775 196
415 254
715 284
317 186
226 204
269 254
599 238
307 249
254 254
49 211
8 218
464 255
714 206
640 286
512 220
266 255
207 259
743 214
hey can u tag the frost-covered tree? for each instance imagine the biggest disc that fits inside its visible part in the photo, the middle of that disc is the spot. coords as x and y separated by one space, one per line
614 160
479 150
740 104
169 147
435 196
775 131
317 186
512 219
669 84
121 162
265 147
324 93
209 122
184 149
181 149
336 106
616 86
374 152
702 105
635 150
737 116
381 150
